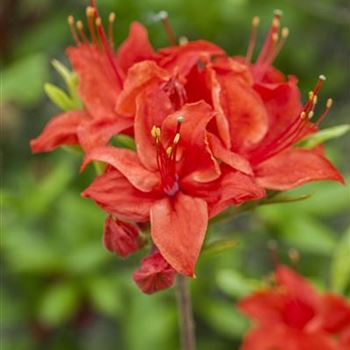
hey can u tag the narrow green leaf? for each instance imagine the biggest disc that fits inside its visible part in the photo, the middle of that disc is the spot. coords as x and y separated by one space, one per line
340 268
59 97
323 136
219 246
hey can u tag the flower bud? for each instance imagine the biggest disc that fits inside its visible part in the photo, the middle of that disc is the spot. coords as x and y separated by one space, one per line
120 237
154 274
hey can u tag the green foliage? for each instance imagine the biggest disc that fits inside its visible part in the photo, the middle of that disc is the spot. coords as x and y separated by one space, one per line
57 276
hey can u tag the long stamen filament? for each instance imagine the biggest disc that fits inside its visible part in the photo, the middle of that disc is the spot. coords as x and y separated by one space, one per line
163 15
111 20
252 39
71 23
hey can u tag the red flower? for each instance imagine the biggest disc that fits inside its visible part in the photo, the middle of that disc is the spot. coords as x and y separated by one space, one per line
173 179
101 75
120 237
293 316
154 274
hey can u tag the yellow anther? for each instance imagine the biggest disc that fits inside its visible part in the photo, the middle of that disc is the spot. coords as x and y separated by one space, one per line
311 95
314 100
180 119
322 77
255 21
169 150
90 11
153 131
310 114
329 103
98 21
111 17
176 139
278 12
275 22
70 20
275 37
294 255
183 40
80 25
284 32
302 115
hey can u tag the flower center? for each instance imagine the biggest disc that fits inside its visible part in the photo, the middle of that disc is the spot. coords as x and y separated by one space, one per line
97 34
296 130
166 159
297 314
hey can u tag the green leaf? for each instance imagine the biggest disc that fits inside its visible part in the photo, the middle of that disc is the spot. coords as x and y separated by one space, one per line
224 318
323 136
235 284
219 246
105 295
22 81
59 97
340 268
58 304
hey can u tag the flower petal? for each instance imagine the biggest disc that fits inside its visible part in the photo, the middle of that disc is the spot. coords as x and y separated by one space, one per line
61 130
98 85
244 111
117 196
140 76
155 274
295 167
153 106
178 226
97 132
135 48
234 160
127 163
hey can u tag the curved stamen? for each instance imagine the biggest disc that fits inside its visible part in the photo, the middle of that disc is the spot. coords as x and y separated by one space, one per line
163 16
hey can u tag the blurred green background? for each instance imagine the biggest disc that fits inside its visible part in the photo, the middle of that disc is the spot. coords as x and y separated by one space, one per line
60 289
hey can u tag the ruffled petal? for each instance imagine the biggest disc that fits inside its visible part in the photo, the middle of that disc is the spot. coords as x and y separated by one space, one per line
135 48
98 85
128 164
234 160
97 132
245 112
117 196
61 130
155 274
120 237
178 227
140 76
295 167
181 59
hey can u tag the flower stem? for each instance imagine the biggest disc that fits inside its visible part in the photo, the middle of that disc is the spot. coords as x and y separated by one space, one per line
188 340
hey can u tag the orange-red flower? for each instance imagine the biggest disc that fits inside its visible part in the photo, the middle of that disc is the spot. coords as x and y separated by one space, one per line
101 72
172 180
292 315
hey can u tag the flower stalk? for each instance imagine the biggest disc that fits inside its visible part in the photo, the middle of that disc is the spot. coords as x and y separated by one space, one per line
183 297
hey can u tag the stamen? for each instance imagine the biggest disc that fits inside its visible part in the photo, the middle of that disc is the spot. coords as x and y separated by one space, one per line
176 139
163 15
183 41
111 20
102 36
72 29
329 104
90 15
169 151
310 114
252 39
80 28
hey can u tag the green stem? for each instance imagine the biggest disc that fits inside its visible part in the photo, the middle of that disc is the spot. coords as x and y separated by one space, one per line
183 296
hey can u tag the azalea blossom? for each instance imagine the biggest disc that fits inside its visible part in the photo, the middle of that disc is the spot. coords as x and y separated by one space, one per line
101 71
292 315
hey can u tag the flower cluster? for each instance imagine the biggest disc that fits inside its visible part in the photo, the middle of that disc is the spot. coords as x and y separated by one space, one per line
292 315
208 131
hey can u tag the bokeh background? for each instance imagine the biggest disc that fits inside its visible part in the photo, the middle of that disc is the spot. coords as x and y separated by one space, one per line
60 289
